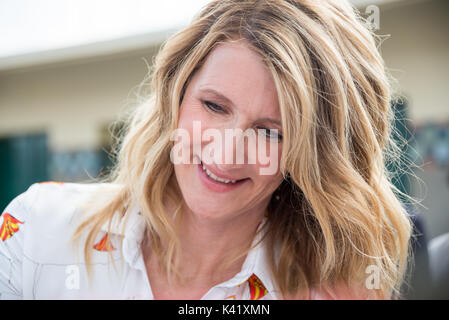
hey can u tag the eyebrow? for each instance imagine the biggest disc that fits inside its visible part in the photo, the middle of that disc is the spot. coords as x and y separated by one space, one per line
229 101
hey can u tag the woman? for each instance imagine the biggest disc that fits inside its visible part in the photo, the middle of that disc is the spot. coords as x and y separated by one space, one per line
315 218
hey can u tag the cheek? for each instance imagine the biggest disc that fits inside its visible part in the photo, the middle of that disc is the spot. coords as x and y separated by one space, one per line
267 184
190 120
194 120
267 170
269 159
188 114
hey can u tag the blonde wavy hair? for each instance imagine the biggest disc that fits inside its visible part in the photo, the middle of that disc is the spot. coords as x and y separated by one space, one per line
338 211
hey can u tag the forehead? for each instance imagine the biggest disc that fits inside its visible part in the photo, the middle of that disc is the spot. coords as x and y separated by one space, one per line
239 73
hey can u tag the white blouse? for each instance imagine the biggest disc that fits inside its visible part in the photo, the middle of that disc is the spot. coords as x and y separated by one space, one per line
37 260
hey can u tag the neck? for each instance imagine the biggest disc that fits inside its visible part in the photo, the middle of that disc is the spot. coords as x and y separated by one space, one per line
207 243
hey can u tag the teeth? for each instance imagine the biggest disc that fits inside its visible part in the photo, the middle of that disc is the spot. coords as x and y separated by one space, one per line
214 177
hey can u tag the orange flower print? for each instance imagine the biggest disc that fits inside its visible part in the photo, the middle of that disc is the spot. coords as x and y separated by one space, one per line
10 226
104 244
256 288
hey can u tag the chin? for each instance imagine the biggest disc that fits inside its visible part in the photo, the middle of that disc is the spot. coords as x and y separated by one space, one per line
205 210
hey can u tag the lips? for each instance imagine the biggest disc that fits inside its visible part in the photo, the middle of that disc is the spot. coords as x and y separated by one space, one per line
216 185
218 176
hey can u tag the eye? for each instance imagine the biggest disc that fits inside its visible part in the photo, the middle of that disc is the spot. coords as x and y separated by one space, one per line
214 107
272 134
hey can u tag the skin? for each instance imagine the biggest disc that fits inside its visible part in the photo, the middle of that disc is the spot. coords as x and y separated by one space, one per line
216 223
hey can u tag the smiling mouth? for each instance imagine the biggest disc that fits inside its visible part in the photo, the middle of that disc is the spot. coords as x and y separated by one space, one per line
221 180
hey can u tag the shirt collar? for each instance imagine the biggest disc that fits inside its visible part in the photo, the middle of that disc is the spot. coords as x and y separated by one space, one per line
256 261
132 233
135 225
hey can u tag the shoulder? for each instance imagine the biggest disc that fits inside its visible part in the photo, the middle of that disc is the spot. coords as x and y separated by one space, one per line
42 219
53 192
37 256
46 202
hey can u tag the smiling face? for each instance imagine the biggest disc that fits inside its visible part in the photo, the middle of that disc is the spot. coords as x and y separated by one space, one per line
248 100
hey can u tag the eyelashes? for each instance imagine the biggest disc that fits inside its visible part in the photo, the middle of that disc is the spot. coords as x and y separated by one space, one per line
269 133
214 107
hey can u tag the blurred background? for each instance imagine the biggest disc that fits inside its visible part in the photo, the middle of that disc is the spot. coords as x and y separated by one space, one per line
69 68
